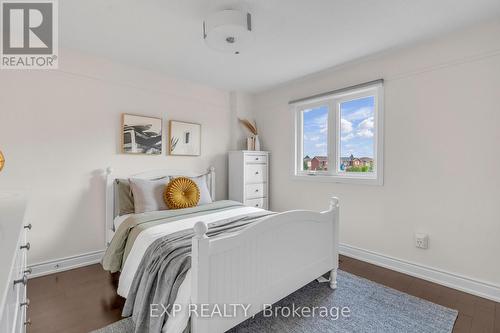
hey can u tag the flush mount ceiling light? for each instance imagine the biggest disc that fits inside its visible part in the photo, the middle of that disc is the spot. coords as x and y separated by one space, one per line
228 31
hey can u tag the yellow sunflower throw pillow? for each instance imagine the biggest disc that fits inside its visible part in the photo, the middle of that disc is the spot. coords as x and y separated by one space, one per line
181 192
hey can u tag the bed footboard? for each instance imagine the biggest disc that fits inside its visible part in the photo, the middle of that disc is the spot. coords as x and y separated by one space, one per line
240 273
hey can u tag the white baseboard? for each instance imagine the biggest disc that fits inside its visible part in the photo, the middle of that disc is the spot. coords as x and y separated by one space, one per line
452 280
64 264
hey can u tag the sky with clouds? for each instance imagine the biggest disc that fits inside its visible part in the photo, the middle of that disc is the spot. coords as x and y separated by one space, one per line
356 129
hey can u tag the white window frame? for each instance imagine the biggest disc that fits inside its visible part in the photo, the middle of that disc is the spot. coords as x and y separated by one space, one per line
333 102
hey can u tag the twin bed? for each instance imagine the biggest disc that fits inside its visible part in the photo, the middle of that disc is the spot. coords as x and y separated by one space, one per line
211 257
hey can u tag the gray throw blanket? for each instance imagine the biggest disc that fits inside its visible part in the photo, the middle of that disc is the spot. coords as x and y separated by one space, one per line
163 269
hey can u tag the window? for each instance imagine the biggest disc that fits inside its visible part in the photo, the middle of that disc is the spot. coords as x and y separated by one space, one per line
315 138
339 136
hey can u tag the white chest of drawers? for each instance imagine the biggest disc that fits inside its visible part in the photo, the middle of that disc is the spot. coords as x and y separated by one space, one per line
13 271
249 178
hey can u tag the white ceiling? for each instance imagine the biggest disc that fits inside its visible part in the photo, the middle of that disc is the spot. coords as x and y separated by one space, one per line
293 37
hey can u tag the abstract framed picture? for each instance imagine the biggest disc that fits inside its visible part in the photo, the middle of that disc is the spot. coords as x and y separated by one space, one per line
141 135
184 138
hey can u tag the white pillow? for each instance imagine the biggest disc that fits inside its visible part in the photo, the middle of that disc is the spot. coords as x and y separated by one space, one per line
148 194
201 182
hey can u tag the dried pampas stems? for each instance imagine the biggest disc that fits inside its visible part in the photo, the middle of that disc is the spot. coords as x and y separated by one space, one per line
249 126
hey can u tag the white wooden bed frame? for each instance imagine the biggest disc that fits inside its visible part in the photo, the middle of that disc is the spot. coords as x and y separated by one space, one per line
257 266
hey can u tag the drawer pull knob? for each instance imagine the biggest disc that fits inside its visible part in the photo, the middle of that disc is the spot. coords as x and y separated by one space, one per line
23 280
256 205
27 246
27 322
28 271
29 226
26 303
256 172
257 190
256 158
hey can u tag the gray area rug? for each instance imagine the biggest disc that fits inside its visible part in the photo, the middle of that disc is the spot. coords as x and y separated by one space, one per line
373 308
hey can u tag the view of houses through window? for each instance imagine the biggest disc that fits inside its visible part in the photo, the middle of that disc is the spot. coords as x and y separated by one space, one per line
356 144
356 135
315 138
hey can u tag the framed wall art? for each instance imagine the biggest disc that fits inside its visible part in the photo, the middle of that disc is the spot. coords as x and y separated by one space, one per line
184 138
141 135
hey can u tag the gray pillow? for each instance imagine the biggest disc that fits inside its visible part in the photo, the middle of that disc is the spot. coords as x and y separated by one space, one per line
124 197
148 194
201 182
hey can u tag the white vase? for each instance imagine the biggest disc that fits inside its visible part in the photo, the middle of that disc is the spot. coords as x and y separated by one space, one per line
257 143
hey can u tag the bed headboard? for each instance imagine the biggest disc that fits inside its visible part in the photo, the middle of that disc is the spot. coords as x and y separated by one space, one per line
110 189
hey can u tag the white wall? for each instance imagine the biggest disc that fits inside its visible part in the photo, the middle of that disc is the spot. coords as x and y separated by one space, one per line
442 155
59 129
241 108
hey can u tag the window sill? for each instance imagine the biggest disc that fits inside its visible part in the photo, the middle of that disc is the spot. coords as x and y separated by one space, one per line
339 179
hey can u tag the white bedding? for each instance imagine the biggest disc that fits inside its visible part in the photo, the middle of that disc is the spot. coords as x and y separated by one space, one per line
148 236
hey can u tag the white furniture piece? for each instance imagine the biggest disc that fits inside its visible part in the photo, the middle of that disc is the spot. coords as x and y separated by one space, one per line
258 265
13 270
262 263
249 178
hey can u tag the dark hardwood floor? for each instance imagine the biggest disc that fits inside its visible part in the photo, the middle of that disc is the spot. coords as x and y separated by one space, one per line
85 299
79 300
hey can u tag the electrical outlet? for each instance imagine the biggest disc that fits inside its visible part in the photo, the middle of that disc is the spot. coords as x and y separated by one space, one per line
421 241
